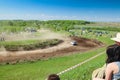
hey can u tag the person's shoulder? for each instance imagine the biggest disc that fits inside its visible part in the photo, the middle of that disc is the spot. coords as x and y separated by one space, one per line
111 65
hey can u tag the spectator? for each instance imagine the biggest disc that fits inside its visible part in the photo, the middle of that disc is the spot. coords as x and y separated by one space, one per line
112 71
100 72
53 77
117 39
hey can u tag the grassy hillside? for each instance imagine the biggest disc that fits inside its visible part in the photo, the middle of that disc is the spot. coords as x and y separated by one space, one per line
84 72
39 70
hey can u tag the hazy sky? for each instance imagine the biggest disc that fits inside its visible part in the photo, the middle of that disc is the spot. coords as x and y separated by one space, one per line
91 10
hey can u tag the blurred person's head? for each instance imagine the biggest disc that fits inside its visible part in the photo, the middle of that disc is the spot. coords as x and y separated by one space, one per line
53 77
113 53
117 39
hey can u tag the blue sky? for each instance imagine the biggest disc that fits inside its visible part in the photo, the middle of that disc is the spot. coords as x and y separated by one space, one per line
90 10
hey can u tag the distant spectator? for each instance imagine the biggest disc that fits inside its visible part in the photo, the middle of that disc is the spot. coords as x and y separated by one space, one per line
53 77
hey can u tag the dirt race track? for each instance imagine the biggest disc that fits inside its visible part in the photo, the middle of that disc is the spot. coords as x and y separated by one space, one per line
64 48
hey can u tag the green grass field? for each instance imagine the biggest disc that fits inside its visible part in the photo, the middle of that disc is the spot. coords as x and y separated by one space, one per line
84 72
39 70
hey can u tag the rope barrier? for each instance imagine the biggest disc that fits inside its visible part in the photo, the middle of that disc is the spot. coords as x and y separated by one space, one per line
77 65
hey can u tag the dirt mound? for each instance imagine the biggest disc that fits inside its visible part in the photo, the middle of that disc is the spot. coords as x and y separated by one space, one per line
62 49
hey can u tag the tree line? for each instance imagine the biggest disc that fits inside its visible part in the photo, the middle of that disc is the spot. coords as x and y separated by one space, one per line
51 24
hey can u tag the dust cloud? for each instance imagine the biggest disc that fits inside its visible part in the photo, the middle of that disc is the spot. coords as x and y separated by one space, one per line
41 34
47 34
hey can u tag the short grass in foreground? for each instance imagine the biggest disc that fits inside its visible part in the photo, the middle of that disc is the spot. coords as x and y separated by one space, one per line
40 69
84 72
